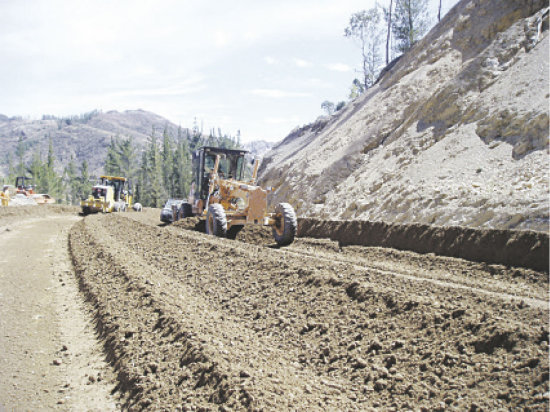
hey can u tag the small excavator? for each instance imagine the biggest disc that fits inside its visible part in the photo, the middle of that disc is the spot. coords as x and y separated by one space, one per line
110 194
220 195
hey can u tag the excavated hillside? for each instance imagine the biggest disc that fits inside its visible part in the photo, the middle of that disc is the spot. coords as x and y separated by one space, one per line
454 133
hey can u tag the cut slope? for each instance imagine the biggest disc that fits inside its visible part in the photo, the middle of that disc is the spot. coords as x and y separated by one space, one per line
456 132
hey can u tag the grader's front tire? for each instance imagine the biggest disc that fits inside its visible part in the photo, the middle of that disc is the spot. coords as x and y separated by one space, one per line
216 222
284 229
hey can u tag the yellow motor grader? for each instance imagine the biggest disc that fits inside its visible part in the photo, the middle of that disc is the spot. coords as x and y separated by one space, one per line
220 195
110 194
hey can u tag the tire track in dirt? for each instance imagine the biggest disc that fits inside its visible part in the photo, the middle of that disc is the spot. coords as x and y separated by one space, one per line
265 328
529 286
494 289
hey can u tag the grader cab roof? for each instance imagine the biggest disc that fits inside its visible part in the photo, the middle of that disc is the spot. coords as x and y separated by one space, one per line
211 149
123 179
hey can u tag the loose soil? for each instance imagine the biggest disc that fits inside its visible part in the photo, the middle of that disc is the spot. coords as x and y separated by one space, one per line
193 322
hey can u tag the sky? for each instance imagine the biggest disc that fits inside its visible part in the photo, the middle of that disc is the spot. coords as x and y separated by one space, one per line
261 67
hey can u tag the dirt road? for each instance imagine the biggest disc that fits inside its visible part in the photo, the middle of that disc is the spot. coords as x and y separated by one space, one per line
192 322
199 322
49 355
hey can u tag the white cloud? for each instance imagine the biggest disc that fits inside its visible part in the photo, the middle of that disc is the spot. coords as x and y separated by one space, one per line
276 93
302 62
270 60
338 67
221 38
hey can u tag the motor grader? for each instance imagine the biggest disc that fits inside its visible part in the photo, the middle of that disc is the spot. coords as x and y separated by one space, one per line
110 194
220 195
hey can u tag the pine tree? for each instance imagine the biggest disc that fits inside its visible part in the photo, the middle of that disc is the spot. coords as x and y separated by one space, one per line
167 163
71 182
50 182
12 174
153 192
85 186
142 194
37 170
127 158
182 170
20 153
112 161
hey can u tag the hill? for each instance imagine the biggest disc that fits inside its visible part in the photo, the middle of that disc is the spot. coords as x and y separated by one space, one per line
83 137
454 133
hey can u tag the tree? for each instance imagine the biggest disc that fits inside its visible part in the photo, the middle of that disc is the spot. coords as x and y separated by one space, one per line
154 185
71 182
12 173
364 27
37 169
127 158
85 186
356 89
340 105
51 183
410 24
182 170
328 107
20 153
167 162
143 181
121 159
112 161
387 13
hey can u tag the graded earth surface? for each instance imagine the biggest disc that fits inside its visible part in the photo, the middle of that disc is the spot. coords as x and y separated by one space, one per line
178 320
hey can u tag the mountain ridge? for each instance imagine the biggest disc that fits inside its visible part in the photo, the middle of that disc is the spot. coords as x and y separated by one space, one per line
87 136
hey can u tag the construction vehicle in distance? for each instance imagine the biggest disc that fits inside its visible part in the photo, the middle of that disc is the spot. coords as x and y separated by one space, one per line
220 195
110 194
24 186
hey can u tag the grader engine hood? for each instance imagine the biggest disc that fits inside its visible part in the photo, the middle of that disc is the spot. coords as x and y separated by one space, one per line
257 205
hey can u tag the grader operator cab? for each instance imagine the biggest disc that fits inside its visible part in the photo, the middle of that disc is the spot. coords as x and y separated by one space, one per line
220 195
110 194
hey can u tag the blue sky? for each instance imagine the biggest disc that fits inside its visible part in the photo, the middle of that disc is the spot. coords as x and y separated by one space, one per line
261 67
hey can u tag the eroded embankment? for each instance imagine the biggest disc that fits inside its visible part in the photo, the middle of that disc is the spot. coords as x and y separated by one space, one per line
194 321
527 249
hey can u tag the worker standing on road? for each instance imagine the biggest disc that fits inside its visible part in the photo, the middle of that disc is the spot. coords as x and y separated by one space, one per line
5 196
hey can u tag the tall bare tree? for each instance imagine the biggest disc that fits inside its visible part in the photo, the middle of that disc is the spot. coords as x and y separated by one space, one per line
411 22
364 27
388 19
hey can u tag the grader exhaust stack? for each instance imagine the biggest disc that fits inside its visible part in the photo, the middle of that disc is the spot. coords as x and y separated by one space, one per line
220 195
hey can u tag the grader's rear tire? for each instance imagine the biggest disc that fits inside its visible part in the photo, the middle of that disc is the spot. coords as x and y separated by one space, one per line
216 222
284 229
